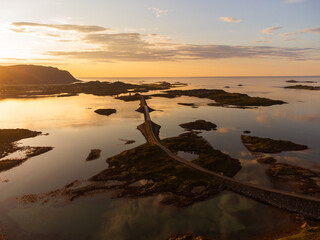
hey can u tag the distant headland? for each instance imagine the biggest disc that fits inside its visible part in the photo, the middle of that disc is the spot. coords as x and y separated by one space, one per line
33 74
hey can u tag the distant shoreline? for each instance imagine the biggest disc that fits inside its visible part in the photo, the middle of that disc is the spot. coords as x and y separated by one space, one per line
203 77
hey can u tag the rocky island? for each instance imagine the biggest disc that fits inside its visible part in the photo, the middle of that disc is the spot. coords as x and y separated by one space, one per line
268 145
105 111
304 87
8 139
222 97
199 125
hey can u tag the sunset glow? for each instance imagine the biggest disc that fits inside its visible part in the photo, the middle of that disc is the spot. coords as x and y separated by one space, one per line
163 38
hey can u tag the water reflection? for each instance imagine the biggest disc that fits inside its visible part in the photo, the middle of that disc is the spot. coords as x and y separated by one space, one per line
74 129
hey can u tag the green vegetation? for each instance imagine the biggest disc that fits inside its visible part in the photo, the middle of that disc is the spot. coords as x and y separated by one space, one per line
267 145
304 87
307 233
199 125
94 154
222 97
209 158
166 175
105 112
301 179
282 169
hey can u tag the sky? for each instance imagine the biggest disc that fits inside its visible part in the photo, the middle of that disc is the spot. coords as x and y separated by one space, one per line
163 38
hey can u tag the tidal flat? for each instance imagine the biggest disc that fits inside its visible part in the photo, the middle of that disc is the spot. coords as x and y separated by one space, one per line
103 215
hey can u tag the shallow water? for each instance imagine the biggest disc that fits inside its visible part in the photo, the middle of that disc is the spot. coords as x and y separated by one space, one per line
74 129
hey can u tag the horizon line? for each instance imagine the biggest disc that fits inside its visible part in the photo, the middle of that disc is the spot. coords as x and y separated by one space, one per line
272 76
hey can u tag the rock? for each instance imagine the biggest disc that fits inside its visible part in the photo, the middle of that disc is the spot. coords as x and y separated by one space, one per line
199 125
105 112
94 154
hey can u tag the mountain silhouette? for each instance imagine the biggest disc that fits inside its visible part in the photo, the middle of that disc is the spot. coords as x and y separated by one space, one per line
32 74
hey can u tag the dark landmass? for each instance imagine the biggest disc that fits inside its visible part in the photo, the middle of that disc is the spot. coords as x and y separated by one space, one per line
162 174
126 142
31 152
165 95
268 145
67 95
146 170
295 81
105 112
31 74
131 98
307 233
303 87
187 237
222 97
246 131
292 178
187 104
217 105
8 137
199 125
94 87
94 154
240 85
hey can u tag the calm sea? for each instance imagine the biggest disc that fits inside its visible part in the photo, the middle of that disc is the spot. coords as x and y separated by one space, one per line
74 129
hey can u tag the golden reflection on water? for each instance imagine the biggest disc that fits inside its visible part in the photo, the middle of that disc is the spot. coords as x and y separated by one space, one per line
74 129
47 113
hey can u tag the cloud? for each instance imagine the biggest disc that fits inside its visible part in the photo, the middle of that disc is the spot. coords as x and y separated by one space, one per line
160 12
291 39
261 41
63 27
302 31
270 30
132 47
126 46
294 1
230 19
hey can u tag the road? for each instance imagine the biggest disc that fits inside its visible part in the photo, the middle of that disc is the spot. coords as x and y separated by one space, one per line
305 205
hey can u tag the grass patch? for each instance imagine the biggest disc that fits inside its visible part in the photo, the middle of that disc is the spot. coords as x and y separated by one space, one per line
268 145
199 125
168 176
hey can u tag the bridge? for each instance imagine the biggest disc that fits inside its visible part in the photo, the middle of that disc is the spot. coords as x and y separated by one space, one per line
304 205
